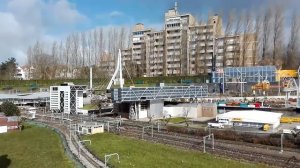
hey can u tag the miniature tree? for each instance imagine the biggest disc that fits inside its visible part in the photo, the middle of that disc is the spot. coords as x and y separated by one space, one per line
10 109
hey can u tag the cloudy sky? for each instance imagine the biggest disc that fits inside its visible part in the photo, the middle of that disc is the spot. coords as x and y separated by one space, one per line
22 22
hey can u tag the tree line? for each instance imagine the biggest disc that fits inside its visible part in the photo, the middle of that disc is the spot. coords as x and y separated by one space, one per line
72 57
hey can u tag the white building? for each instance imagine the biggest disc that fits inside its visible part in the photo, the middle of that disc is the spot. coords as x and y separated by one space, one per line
90 128
250 118
67 98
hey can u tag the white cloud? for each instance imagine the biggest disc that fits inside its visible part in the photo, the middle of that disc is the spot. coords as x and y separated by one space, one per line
115 14
111 15
25 21
65 12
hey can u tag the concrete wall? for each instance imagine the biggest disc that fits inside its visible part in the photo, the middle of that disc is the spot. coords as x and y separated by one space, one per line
156 108
179 111
195 110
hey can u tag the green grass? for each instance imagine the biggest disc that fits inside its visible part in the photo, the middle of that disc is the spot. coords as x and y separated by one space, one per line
89 107
33 147
142 154
176 120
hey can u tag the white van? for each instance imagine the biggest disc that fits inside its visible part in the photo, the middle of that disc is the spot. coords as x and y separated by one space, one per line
215 125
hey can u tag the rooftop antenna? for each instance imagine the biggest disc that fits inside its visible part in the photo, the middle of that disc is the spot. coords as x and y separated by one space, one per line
175 8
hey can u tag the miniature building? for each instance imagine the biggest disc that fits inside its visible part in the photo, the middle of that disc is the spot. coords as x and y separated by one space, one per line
66 98
8 123
90 128
250 119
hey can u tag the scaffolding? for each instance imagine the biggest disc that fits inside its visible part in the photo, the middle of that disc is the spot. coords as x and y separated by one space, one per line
133 94
245 74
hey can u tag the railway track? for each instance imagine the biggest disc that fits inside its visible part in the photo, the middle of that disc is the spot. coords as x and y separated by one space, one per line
266 147
237 152
79 151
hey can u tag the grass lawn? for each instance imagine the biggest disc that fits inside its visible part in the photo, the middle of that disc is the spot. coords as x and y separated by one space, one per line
176 120
142 154
89 107
33 147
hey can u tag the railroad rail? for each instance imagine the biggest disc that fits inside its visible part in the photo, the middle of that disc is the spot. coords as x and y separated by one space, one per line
234 151
79 150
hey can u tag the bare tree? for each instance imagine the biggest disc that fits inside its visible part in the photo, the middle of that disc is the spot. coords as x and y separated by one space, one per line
236 35
278 20
292 60
228 32
257 37
186 111
54 60
247 36
265 34
67 52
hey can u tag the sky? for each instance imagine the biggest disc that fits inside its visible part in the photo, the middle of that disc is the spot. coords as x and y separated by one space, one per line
23 22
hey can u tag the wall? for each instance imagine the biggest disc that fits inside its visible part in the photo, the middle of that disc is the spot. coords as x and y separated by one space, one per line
179 110
3 129
156 108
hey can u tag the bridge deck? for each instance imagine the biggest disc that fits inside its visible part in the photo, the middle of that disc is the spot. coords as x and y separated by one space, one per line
132 94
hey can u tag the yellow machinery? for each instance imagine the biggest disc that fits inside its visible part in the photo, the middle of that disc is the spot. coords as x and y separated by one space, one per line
286 74
289 119
266 127
264 86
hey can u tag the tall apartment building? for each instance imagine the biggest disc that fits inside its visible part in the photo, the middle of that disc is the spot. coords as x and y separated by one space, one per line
156 53
235 50
186 47
176 43
202 40
139 48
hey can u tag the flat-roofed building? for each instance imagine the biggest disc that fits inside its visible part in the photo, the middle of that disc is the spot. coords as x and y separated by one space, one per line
90 128
250 119
139 58
67 98
176 41
188 47
156 53
202 40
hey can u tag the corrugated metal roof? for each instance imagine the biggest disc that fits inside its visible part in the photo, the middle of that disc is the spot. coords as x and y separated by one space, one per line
28 96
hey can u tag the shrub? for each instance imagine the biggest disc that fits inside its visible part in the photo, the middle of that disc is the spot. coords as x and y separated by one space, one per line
10 109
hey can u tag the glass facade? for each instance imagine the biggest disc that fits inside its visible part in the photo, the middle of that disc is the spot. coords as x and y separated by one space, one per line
245 74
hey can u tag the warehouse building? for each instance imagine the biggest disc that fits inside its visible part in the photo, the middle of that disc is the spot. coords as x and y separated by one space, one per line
250 119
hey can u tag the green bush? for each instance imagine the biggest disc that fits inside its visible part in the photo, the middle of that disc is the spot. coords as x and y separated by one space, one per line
10 109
